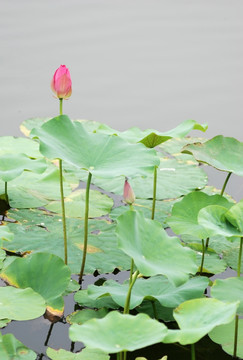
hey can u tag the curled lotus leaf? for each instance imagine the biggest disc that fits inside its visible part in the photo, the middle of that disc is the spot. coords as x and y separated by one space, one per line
11 348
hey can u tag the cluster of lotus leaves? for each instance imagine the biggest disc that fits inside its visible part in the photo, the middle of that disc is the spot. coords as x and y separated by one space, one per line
31 235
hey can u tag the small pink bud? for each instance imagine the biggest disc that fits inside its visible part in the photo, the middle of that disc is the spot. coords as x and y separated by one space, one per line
128 194
61 83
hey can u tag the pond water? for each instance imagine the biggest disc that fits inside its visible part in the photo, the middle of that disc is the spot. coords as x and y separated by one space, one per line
145 63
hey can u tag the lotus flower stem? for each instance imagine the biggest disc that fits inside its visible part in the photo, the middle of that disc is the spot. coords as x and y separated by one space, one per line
193 352
237 317
86 218
127 303
63 213
6 191
154 192
203 254
60 106
225 183
131 271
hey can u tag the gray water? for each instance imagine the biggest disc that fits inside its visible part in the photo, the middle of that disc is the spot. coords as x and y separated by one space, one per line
146 63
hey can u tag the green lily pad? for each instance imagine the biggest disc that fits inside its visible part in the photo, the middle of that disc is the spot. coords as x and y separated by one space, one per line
39 231
175 145
230 289
223 153
81 316
231 256
19 145
117 332
85 354
213 264
153 288
5 233
45 273
20 304
99 204
102 155
13 349
83 299
12 165
156 311
153 251
184 216
198 317
4 322
224 335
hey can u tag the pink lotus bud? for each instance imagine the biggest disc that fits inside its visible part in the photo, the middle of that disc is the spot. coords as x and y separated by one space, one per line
128 194
61 83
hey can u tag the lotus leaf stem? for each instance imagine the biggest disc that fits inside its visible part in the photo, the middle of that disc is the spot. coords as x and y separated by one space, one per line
6 190
154 310
49 334
154 191
225 183
86 219
127 303
207 242
63 213
203 254
131 271
193 352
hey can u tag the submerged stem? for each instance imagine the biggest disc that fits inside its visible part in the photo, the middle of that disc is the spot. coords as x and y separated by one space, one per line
154 191
86 218
203 255
225 183
63 213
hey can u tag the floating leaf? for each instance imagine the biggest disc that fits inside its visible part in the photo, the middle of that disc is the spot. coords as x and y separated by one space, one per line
85 354
230 289
102 155
83 299
231 256
224 335
5 234
153 288
45 273
18 145
223 153
99 204
156 311
117 332
153 251
4 322
20 304
175 145
81 316
198 317
13 349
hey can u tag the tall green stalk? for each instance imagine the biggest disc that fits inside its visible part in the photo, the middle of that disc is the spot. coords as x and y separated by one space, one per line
225 183
203 255
86 218
193 352
154 192
237 317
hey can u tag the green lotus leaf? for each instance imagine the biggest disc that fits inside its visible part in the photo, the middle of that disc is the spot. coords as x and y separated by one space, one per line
198 317
38 231
45 273
175 145
184 216
20 304
4 322
102 155
153 288
83 299
230 289
153 251
85 354
213 264
34 190
99 204
162 210
231 256
174 179
13 349
224 335
156 311
218 243
223 153
27 125
5 233
12 165
117 332
213 219
81 316
2 257
18 145
234 216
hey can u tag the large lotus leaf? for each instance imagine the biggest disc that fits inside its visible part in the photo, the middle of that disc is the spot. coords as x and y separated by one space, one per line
162 209
213 264
4 322
83 299
13 349
2 257
102 155
85 354
18 145
155 310
213 219
230 289
153 288
45 273
234 216
12 165
20 304
35 190
174 178
175 145
223 153
231 256
153 251
81 316
218 243
117 332
183 219
39 231
99 204
198 317
5 234
224 335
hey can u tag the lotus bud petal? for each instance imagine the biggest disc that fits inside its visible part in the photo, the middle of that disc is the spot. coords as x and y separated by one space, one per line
128 194
61 83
